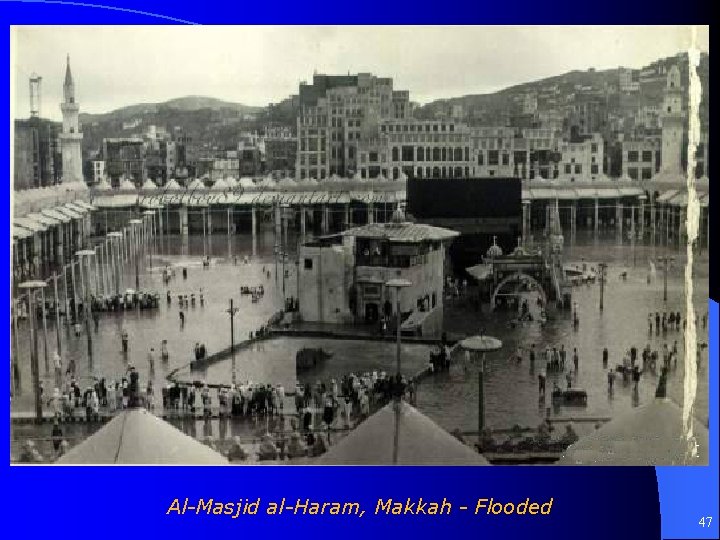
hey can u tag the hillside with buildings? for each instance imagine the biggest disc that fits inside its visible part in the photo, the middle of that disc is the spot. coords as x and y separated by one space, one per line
578 126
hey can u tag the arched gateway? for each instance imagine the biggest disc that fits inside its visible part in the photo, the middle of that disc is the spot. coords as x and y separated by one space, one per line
517 279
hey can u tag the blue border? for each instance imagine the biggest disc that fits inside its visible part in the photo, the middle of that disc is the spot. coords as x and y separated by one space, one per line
612 503
693 491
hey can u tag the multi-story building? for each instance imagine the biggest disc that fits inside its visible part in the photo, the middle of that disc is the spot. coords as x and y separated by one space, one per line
336 113
124 158
641 158
417 149
98 170
497 152
629 80
37 161
541 149
581 160
281 155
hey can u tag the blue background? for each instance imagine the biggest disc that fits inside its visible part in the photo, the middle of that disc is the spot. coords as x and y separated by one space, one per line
588 503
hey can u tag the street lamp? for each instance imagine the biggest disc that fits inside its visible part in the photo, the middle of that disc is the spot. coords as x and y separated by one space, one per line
135 226
397 284
115 240
86 254
232 311
665 260
602 267
31 287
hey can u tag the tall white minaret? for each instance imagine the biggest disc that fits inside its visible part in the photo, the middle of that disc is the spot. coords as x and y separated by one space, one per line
71 137
673 122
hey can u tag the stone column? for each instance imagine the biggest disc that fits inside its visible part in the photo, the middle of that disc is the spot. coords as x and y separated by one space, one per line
208 212
642 220
681 227
303 211
325 225
183 220
653 223
573 219
596 221
347 223
525 219
371 213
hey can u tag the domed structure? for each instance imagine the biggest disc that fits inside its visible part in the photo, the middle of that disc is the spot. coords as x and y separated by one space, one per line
494 250
127 185
148 185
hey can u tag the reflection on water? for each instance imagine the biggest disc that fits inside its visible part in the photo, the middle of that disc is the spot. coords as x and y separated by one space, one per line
510 388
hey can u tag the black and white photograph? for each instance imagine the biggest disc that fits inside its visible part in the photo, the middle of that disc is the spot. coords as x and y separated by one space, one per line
359 245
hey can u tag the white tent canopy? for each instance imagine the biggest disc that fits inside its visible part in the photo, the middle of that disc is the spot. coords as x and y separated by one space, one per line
650 435
420 442
137 437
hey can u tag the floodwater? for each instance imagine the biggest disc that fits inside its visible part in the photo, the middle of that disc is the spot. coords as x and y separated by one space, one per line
451 399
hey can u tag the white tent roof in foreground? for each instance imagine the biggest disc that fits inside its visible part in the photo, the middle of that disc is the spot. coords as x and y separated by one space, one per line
420 442
137 437
649 435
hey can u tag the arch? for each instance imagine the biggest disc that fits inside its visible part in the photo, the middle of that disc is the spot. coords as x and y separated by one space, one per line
518 276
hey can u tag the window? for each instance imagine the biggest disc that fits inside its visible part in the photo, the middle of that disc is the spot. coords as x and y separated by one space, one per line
647 156
436 154
646 173
594 169
633 173
632 156
505 159
395 154
578 169
568 169
420 154
493 157
481 158
408 153
308 264
593 148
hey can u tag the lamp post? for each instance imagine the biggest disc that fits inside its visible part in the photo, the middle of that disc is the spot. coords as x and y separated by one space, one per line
232 311
57 312
397 284
481 344
150 215
136 223
84 256
114 263
602 267
31 287
665 260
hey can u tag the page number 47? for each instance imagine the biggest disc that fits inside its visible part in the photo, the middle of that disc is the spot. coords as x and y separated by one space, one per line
705 521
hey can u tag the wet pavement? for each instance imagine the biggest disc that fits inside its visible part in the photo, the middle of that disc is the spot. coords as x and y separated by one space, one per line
451 399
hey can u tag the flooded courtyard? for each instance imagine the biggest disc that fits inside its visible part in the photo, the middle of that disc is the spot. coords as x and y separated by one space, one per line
451 399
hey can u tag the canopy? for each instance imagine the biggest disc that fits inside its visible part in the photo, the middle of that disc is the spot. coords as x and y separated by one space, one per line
43 219
420 442
138 437
650 435
85 205
30 224
56 215
21 233
480 272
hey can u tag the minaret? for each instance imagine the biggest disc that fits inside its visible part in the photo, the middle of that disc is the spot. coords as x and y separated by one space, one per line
70 138
672 124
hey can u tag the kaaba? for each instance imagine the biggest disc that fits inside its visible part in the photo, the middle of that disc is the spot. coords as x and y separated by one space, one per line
478 208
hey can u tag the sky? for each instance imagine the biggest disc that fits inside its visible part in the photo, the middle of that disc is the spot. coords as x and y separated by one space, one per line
115 66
